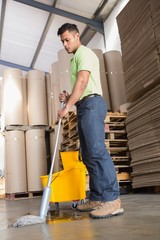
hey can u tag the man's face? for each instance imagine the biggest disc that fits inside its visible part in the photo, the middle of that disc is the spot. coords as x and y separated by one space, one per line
70 41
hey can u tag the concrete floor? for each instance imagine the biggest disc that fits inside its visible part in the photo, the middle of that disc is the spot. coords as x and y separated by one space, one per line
141 220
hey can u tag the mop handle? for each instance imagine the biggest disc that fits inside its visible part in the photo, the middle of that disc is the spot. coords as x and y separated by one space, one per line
55 150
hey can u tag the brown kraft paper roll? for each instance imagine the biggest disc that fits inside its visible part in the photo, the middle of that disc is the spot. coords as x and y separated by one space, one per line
115 76
37 98
15 162
13 97
36 158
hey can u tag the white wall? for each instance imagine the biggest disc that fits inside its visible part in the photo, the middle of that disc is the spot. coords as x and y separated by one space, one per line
97 42
1 154
112 40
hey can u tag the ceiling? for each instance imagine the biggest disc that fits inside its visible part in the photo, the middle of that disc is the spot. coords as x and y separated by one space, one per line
28 29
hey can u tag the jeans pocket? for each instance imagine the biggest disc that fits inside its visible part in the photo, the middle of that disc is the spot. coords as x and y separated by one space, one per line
91 103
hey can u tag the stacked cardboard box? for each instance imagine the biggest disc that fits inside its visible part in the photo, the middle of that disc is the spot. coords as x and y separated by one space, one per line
139 34
139 30
143 127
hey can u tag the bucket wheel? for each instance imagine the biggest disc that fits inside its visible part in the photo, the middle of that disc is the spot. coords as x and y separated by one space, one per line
76 203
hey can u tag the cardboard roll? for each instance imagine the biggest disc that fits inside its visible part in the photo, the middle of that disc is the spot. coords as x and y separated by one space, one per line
36 158
37 98
13 97
15 162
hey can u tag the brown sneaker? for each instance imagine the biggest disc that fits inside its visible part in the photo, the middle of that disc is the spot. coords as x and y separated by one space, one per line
88 206
107 209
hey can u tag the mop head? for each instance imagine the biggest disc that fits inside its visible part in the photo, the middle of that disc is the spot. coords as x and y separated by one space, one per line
28 220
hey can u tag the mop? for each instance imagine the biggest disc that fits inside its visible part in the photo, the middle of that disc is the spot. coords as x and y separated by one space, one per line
41 218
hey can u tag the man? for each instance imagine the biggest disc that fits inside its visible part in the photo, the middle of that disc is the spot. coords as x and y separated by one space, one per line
91 111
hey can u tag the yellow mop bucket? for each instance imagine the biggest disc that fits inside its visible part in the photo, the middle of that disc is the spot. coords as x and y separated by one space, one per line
71 159
67 185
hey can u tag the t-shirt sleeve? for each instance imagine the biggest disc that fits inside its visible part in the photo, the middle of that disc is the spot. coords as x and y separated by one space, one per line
85 60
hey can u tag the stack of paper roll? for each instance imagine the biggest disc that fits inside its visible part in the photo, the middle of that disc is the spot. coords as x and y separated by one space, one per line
37 98
115 76
15 162
104 81
12 97
36 158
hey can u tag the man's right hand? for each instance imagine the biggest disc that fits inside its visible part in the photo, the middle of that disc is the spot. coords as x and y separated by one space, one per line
63 97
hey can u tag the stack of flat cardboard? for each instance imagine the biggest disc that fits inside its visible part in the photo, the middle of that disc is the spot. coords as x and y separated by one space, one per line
143 127
140 43
139 30
155 13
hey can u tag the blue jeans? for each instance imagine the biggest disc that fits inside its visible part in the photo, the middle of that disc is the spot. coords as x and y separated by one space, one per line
103 182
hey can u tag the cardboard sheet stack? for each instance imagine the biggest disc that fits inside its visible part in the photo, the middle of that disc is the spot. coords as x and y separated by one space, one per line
139 30
139 46
143 128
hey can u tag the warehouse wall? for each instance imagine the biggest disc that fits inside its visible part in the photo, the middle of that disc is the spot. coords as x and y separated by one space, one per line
112 40
1 155
97 42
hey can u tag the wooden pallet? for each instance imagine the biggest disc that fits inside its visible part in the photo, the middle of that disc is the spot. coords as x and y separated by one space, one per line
70 132
114 126
74 145
148 189
124 176
123 168
23 195
116 143
116 134
115 117
25 127
70 117
121 159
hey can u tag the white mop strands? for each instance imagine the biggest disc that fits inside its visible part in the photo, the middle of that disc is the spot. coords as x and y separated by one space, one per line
32 219
28 220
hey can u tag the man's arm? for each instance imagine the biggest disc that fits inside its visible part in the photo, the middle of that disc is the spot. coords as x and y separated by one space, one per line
78 90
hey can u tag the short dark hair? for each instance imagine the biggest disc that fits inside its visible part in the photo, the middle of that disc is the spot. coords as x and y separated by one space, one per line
67 26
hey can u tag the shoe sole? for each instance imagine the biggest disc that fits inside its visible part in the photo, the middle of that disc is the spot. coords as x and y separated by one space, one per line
85 210
115 213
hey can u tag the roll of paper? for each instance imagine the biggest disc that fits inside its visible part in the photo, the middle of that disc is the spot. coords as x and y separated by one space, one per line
37 98
104 81
115 76
13 97
15 162
55 90
36 158
64 70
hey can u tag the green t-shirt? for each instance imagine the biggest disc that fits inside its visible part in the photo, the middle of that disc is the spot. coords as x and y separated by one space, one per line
86 59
